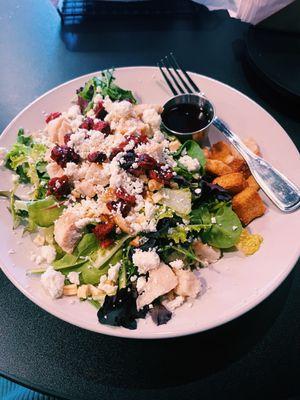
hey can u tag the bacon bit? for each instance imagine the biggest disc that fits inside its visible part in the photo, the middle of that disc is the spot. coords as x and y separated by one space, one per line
103 229
59 186
106 243
52 116
123 195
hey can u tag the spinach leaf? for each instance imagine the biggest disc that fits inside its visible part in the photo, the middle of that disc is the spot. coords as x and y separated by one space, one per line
87 245
44 212
194 151
226 230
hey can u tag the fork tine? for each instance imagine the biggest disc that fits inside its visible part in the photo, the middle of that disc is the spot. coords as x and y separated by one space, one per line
165 64
195 87
174 91
174 66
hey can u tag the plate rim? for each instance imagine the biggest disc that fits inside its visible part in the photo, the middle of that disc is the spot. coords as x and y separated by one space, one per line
268 290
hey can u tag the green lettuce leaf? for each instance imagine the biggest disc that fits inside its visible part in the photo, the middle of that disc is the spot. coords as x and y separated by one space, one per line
194 151
26 159
225 226
44 212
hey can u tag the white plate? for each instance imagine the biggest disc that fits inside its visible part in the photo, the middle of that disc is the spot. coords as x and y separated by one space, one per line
236 283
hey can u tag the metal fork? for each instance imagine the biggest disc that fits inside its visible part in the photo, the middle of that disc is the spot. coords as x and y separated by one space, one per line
281 191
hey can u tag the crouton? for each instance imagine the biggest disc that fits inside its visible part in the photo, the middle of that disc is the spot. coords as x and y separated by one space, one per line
239 165
220 151
252 183
217 167
234 182
248 205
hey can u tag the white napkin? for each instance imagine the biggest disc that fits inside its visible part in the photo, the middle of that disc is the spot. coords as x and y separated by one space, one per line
253 11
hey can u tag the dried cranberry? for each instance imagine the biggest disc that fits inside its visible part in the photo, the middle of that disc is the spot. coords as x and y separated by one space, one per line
116 150
161 175
59 186
97 157
103 229
64 154
67 137
136 171
119 206
128 159
88 124
100 111
103 127
137 138
52 116
106 243
146 162
123 195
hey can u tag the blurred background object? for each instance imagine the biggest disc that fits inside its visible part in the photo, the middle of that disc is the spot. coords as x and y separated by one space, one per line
252 11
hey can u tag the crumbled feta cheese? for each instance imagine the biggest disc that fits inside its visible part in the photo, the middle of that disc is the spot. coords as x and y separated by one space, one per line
53 282
107 286
73 277
113 272
198 191
145 260
48 253
133 278
74 111
140 284
234 228
117 109
151 117
177 264
213 220
191 164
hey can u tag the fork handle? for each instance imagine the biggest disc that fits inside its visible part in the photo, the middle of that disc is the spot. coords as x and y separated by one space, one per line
280 190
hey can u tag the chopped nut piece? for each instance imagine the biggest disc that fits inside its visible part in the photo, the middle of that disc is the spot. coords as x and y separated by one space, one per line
154 185
174 145
70 290
122 224
135 242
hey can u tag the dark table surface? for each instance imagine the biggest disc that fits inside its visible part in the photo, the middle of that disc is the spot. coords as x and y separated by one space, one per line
255 356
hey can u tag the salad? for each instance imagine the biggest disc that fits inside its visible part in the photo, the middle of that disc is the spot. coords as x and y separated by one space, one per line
124 214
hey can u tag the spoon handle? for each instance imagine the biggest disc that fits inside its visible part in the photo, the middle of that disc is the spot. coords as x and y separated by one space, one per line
281 191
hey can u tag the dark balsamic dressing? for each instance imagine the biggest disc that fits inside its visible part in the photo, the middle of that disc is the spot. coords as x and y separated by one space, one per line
186 118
